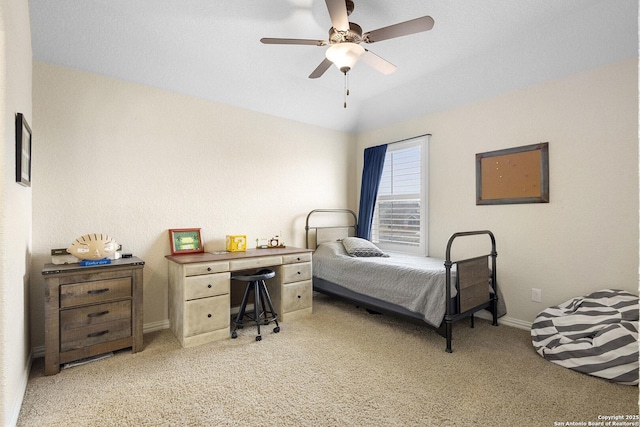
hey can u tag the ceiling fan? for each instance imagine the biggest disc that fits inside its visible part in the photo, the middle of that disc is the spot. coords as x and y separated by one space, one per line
345 38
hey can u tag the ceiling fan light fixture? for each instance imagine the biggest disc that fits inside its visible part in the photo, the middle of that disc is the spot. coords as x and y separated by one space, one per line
344 55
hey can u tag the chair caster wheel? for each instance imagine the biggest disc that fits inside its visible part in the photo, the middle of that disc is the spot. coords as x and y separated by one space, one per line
234 334
276 329
258 338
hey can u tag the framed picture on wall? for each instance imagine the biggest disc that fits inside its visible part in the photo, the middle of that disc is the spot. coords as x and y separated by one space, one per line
23 151
513 175
185 241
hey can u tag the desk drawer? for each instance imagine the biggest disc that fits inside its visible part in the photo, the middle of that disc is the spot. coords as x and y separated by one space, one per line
297 296
205 268
207 285
91 292
71 339
296 258
206 315
247 264
296 272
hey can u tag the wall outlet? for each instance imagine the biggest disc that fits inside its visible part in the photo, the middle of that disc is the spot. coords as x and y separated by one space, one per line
536 295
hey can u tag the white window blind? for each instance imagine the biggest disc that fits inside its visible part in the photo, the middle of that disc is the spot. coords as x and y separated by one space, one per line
399 222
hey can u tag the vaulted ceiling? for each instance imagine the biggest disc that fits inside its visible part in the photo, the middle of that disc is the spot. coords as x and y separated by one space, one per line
212 50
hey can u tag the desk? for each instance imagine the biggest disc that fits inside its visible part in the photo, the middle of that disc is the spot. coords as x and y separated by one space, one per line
200 285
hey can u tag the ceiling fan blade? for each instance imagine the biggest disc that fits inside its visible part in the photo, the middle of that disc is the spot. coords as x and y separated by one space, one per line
267 40
338 14
320 69
413 26
380 64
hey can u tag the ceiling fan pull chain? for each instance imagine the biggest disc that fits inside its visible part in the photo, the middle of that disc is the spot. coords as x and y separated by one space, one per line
347 77
346 88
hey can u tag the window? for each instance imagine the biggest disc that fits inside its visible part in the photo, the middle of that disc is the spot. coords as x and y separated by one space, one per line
400 215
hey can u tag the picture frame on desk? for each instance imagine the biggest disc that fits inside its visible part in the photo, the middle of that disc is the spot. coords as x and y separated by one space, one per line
185 241
23 151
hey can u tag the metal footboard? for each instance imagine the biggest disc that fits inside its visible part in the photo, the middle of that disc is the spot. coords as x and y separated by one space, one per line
472 279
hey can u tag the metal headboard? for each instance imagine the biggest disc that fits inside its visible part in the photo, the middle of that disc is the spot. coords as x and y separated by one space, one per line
343 221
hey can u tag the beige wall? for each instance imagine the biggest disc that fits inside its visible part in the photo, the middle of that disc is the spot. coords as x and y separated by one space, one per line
586 238
133 161
15 210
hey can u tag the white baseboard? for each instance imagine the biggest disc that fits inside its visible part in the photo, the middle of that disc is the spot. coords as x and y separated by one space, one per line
516 323
156 326
507 321
38 351
14 411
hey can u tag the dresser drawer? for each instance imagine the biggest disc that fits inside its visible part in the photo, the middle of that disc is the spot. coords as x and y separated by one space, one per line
295 258
296 272
205 268
207 285
297 296
206 314
91 292
94 314
71 339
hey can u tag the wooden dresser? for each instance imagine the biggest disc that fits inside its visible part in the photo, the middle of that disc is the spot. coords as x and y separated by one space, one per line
91 310
200 288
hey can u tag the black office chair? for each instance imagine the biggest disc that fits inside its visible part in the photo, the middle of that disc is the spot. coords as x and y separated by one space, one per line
261 313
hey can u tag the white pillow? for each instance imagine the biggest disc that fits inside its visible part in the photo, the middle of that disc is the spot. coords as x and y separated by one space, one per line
358 247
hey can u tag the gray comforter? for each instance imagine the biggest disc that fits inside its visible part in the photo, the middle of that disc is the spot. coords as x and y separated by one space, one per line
413 282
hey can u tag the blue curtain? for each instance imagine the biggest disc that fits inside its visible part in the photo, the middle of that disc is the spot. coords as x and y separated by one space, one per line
371 174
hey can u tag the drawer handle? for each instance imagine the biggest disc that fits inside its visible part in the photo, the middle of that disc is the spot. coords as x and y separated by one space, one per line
98 334
209 286
208 268
298 258
299 273
98 291
98 314
209 315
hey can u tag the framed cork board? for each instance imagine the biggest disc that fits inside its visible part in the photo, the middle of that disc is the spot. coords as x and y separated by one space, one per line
513 175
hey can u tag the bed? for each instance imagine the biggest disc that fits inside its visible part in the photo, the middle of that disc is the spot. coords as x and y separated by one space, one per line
436 292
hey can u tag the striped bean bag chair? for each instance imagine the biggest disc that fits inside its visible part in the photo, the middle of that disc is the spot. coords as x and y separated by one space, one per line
596 334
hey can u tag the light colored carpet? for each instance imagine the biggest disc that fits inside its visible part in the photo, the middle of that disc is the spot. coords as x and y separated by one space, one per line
338 367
